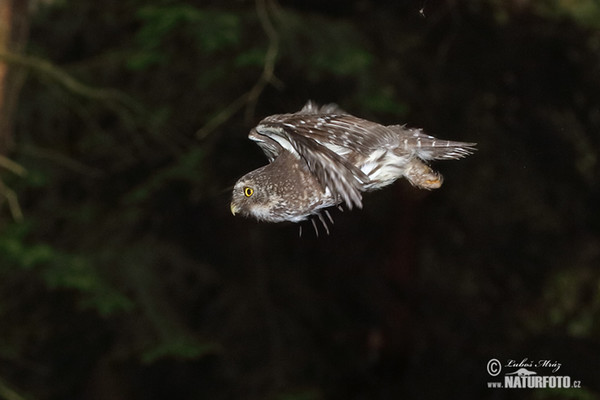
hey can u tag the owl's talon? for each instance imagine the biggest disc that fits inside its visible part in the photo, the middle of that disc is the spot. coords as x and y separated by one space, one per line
324 222
314 224
329 216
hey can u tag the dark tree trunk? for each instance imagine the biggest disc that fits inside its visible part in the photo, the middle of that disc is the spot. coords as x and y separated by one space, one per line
14 26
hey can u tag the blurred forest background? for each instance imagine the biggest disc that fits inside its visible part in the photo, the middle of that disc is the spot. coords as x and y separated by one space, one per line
123 126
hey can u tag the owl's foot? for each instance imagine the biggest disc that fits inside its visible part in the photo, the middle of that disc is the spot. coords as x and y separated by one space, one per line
321 219
323 222
422 176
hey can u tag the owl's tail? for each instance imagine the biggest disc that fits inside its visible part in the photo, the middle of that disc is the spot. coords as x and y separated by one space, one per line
445 150
430 148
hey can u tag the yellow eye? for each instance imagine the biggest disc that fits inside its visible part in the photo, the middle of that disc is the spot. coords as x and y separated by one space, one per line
248 191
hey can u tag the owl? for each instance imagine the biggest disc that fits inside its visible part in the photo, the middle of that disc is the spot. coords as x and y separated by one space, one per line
321 157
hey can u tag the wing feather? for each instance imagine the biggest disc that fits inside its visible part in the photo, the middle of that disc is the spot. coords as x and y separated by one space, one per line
313 108
270 147
343 179
344 130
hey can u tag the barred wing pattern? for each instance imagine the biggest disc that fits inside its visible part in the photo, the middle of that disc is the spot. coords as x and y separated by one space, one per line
335 145
322 156
336 174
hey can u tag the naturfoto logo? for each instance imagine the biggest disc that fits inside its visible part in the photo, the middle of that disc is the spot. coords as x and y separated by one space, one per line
526 373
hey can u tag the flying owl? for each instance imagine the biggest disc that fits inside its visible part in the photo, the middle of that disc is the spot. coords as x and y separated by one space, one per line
322 156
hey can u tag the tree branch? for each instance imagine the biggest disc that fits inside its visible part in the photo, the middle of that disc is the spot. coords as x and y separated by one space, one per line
14 28
268 73
63 161
8 193
267 76
58 75
8 393
12 201
12 166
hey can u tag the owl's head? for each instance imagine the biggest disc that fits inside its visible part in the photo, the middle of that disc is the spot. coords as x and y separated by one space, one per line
284 190
255 195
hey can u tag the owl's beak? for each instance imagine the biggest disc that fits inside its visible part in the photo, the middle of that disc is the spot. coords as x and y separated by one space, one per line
233 209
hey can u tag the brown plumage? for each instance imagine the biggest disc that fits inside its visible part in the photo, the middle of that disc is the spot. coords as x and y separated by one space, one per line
322 156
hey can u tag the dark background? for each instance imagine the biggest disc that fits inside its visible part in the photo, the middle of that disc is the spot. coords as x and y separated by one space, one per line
128 278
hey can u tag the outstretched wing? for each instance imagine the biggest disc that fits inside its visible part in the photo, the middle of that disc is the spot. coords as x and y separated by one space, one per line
344 134
309 136
344 180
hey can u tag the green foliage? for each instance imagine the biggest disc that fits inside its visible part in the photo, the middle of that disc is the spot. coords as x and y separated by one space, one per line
206 31
324 46
384 101
17 254
58 270
179 348
187 168
585 13
253 57
571 302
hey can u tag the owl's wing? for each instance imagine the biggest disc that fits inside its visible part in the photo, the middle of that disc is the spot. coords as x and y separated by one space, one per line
333 128
342 178
313 108
269 146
